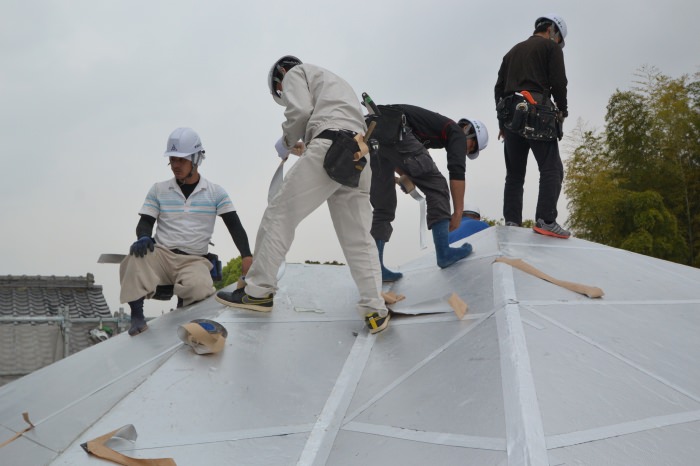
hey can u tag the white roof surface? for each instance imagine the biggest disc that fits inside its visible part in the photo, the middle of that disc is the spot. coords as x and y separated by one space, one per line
533 375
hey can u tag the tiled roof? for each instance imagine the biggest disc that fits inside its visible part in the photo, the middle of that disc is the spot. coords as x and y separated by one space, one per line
27 346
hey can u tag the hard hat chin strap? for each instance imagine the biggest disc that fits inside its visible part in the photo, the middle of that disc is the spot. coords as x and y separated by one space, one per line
196 159
554 32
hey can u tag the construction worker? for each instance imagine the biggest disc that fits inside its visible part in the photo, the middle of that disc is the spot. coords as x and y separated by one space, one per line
408 155
185 208
471 223
531 74
322 110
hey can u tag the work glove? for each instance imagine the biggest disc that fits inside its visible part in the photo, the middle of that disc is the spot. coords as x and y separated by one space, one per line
282 151
141 246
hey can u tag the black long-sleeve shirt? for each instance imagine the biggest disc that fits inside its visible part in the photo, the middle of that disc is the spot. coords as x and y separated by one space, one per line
534 65
231 219
436 131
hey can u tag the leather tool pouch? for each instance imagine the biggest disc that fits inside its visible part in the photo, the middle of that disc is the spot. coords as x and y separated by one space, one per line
390 125
531 121
545 124
504 109
340 163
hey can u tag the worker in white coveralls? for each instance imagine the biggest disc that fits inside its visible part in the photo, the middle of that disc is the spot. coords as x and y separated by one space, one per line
185 207
324 111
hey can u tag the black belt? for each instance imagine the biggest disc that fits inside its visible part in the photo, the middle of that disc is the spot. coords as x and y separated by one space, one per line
183 253
330 133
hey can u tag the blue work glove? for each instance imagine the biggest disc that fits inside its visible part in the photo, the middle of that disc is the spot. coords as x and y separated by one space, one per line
141 246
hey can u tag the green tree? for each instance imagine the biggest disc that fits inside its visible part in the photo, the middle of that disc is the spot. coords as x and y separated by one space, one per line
637 185
592 189
231 272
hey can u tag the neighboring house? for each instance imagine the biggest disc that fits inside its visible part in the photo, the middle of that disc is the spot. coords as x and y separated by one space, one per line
46 318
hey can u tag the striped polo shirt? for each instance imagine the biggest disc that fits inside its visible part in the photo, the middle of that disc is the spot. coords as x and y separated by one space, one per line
186 224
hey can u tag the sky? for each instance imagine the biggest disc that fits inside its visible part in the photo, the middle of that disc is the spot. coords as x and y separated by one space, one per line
90 91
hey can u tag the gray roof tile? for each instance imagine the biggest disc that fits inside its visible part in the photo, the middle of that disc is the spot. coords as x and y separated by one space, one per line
28 346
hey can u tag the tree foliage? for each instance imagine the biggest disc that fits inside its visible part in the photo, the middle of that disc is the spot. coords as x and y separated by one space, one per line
636 186
231 272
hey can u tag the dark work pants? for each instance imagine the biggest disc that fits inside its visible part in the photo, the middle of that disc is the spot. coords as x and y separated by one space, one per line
551 176
413 159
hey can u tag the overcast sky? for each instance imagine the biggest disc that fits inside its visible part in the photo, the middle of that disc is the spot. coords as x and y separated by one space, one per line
90 90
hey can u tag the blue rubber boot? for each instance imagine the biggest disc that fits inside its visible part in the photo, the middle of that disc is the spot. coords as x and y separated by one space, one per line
387 275
446 256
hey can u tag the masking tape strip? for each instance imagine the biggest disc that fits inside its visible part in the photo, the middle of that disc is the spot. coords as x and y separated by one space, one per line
25 416
168 440
618 356
524 431
458 305
632 302
427 306
624 428
435 438
420 319
399 380
391 297
196 334
114 380
98 448
590 291
318 445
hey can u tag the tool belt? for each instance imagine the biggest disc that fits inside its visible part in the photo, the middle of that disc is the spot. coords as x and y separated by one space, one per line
391 125
345 159
530 120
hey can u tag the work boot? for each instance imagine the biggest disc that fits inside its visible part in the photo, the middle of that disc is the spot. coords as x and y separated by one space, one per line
375 322
240 299
387 275
446 256
138 321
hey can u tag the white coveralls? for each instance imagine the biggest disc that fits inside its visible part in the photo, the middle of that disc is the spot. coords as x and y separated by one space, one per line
316 100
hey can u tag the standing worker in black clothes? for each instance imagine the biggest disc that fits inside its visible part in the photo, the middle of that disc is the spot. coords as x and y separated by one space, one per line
531 74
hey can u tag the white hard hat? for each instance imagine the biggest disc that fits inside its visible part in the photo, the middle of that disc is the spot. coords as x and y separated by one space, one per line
471 209
184 142
558 21
482 135
277 72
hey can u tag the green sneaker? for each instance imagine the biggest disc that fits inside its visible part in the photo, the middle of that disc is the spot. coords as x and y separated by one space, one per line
240 299
375 322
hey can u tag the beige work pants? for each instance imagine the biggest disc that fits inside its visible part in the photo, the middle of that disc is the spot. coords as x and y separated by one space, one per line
190 275
304 189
